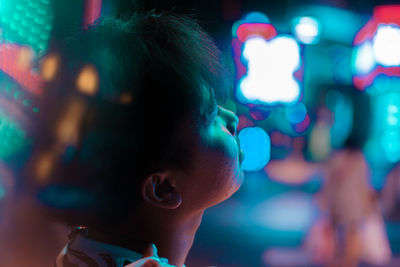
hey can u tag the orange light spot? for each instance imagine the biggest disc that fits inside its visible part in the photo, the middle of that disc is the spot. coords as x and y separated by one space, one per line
44 166
125 98
24 58
49 67
88 80
67 129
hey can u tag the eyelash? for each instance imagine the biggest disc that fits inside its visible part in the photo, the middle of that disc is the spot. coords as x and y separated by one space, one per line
211 116
214 114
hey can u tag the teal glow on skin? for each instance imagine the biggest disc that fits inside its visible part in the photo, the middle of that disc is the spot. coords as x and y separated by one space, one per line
214 175
218 156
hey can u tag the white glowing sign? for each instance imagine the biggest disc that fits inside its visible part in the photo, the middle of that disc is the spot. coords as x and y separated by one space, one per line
270 71
383 50
386 45
307 30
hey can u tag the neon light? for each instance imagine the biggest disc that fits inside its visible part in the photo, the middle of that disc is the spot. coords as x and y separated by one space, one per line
256 144
387 14
387 124
9 54
376 52
270 71
296 113
26 22
12 136
386 45
364 58
92 12
307 30
248 30
268 67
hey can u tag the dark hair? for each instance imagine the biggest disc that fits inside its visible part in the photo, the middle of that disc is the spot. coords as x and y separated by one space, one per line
168 66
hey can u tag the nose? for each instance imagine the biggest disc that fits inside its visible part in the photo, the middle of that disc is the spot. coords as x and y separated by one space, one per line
230 119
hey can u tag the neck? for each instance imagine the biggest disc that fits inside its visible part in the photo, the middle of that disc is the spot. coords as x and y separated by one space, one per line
173 237
174 241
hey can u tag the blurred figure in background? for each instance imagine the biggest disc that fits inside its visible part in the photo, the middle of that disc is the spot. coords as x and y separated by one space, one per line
352 228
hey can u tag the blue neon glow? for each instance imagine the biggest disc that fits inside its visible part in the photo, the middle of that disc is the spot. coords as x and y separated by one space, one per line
383 84
256 17
386 45
387 125
256 144
296 113
390 141
270 69
307 30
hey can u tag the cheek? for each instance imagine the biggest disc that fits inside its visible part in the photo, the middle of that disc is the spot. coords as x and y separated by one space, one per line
219 141
221 161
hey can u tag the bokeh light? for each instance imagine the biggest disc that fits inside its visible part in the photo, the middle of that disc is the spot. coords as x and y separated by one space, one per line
364 60
44 165
88 80
271 65
12 136
49 66
255 143
376 52
307 30
296 113
27 22
303 125
67 128
386 45
286 212
125 98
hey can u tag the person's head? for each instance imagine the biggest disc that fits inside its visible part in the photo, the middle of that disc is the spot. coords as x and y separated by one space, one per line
130 118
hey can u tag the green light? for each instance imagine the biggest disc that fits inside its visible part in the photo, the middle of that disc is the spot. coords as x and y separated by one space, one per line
12 137
27 22
35 110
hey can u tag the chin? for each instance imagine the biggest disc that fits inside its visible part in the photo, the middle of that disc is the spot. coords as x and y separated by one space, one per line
237 181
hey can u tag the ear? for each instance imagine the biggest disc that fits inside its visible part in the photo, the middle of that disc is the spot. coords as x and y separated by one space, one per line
159 190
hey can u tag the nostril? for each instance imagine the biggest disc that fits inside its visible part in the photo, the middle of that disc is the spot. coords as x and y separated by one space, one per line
232 128
231 120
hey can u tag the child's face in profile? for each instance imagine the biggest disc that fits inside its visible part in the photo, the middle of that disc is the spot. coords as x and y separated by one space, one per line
216 173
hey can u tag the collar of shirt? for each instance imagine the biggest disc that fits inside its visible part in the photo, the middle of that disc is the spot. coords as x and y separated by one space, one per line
83 251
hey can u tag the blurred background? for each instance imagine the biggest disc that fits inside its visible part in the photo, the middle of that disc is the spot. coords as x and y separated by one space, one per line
317 92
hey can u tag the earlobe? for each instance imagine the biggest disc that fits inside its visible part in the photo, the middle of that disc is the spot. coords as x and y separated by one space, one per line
158 191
